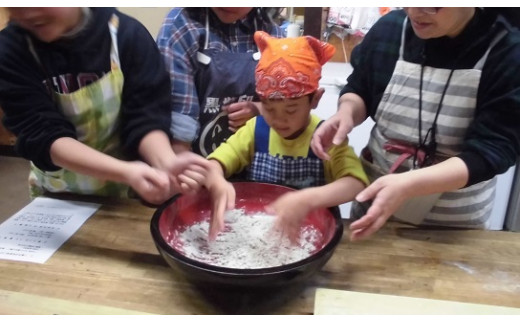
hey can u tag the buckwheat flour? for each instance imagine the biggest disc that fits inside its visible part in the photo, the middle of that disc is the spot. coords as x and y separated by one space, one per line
247 242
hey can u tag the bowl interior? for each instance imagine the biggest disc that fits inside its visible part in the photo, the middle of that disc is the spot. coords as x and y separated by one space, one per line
251 197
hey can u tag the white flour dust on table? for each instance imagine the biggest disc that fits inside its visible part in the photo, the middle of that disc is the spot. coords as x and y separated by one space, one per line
247 242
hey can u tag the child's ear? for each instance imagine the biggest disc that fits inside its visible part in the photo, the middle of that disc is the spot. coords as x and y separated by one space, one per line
317 97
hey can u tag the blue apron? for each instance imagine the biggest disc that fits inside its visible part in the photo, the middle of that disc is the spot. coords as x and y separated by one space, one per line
223 78
286 170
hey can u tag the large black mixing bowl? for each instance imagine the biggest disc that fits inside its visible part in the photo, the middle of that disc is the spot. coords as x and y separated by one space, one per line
185 210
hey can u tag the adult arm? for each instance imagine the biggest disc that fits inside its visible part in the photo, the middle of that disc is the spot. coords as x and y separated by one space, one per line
178 43
492 142
390 191
332 132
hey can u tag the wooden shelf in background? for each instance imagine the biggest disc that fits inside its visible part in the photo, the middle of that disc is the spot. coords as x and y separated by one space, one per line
344 50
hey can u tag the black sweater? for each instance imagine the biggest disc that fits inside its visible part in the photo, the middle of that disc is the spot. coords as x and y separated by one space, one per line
27 103
492 142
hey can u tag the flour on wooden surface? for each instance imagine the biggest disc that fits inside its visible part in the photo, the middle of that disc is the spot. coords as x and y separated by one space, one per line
247 242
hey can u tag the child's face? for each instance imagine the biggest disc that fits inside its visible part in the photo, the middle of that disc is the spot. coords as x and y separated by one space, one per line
288 117
46 24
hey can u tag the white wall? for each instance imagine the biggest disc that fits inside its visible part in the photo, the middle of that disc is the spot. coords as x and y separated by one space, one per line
334 76
150 17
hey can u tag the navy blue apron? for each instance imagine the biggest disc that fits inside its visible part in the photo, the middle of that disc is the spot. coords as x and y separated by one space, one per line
223 78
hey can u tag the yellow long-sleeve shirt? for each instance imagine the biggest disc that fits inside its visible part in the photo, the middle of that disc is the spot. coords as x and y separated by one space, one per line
237 152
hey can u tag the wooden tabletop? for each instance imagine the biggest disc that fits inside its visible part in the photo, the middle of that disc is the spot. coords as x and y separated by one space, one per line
111 265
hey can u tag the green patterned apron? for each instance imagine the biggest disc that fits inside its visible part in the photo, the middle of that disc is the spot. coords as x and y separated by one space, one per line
94 110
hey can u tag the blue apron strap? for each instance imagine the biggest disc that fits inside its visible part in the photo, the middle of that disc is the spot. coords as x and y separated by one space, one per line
201 57
311 153
261 135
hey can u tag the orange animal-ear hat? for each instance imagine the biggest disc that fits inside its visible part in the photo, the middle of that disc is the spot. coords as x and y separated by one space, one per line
289 67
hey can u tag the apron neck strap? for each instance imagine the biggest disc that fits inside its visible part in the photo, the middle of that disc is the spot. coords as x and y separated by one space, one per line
206 41
113 26
403 33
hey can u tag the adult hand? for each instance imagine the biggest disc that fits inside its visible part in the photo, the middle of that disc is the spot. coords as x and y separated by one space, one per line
291 209
351 112
223 197
387 193
331 132
151 184
240 112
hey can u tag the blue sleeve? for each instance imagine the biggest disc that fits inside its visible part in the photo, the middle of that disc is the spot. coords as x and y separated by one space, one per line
178 42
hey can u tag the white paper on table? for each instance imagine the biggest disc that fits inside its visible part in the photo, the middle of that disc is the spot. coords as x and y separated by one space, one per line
35 232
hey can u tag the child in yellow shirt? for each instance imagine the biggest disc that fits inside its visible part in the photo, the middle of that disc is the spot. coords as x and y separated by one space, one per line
275 146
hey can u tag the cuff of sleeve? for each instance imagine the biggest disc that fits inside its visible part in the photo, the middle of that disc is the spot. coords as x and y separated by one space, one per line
183 127
478 167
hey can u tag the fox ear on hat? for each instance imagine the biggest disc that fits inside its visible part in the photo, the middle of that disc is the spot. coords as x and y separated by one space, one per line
324 51
261 39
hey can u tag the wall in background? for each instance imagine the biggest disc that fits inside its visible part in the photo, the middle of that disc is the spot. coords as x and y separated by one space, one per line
3 17
151 17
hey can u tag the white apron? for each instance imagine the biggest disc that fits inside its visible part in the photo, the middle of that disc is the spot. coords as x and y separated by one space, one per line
449 96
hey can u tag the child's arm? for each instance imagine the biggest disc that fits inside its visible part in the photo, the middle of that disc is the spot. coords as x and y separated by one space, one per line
222 197
291 208
151 184
186 170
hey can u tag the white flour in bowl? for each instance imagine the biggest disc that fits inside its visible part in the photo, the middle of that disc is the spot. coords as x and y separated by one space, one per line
247 242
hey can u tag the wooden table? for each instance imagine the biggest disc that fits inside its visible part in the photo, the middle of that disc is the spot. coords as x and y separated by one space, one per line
111 265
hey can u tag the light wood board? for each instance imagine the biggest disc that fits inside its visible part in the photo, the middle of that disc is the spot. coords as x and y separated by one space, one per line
331 302
26 304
